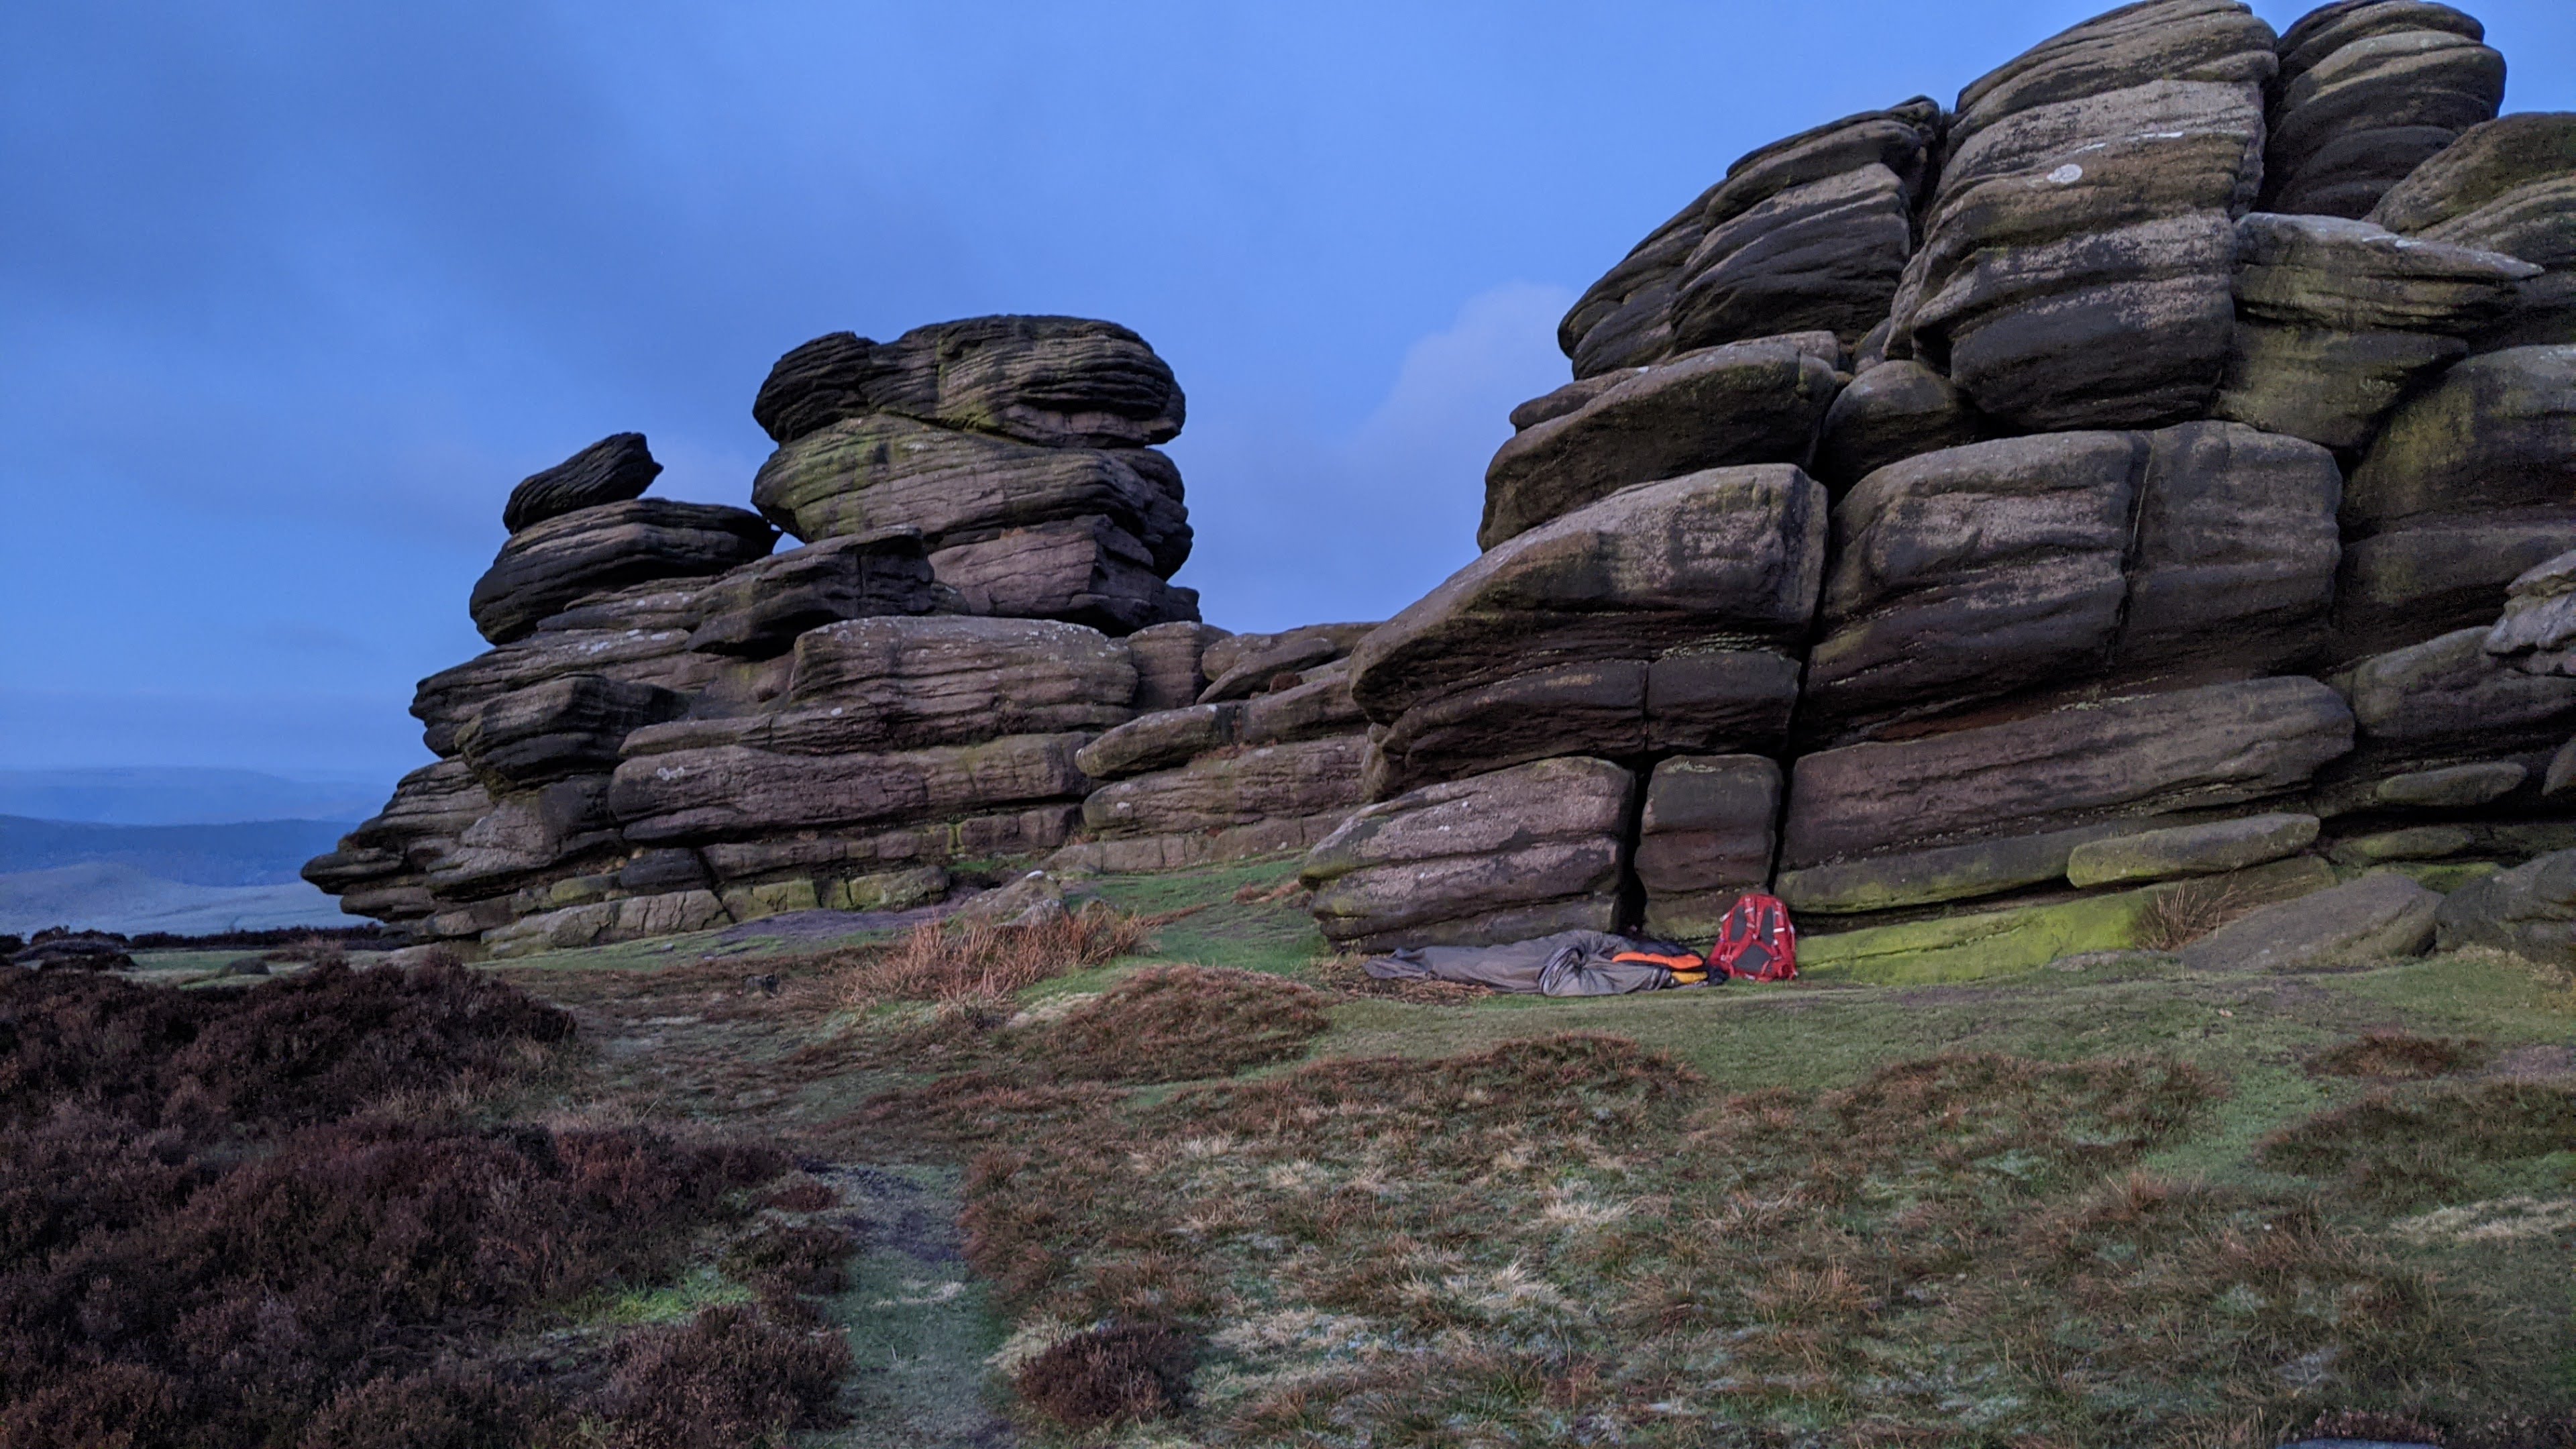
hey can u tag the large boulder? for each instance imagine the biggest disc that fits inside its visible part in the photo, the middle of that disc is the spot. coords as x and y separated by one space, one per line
2368 90
612 470
2472 482
2448 701
2075 265
1501 857
549 565
2507 186
2529 910
2050 562
1056 381
1665 617
2377 917
2339 319
1747 402
2158 754
1809 232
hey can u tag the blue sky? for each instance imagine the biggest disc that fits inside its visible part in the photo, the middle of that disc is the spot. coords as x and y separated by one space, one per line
290 295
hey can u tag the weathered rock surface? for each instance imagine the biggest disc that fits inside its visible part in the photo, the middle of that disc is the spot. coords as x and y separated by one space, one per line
1228 789
2537 633
2339 319
2150 755
1889 413
2507 186
2368 90
2379 916
731 791
1501 857
1242 665
1085 570
2471 483
2529 911
1705 839
612 470
2075 264
1667 616
1747 402
1170 669
2448 701
549 565
1056 381
561 728
1981 572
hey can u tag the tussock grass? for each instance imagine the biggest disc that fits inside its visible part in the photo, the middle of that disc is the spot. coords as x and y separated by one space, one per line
2177 917
1573 1238
977 960
2408 1146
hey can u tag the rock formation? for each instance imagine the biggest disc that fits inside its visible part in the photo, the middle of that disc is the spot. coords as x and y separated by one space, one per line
677 727
2156 470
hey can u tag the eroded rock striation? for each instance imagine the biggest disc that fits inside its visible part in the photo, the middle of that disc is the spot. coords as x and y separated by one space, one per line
2156 476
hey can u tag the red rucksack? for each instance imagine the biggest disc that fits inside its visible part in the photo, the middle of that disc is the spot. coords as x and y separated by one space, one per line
1756 942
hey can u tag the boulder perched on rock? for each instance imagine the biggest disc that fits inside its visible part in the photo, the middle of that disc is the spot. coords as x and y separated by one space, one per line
1500 857
612 470
1016 447
1889 413
1748 402
1055 381
552 564
2368 90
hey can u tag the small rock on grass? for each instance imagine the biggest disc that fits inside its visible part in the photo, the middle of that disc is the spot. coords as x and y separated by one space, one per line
2378 916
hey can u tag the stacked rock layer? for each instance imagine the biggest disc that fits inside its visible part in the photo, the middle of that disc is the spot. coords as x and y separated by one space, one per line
677 727
2156 470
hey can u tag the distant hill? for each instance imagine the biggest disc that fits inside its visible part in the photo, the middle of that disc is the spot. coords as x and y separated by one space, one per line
174 796
250 853
104 896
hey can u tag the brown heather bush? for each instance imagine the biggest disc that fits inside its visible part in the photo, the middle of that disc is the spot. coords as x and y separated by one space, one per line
1178 1024
986 960
731 1378
209 1238
1130 1372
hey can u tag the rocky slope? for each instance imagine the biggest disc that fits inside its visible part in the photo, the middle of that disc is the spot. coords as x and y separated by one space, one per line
1969 522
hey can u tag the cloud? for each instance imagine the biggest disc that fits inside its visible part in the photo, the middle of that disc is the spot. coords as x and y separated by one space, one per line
1298 528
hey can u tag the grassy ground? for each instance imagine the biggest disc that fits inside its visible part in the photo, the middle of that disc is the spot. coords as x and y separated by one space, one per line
2118 1206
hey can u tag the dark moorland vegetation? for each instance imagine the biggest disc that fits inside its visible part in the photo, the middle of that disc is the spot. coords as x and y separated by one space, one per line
279 1215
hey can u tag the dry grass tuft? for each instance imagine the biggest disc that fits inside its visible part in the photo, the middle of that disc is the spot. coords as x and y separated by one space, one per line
1257 894
2398 1054
1177 1024
989 961
1128 1373
2177 917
